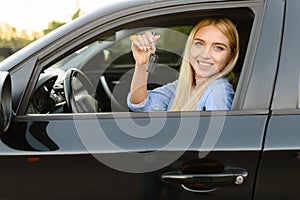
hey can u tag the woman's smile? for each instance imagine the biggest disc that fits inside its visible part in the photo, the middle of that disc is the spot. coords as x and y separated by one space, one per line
204 64
210 51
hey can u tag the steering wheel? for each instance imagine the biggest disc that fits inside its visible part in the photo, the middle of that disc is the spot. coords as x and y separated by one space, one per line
80 92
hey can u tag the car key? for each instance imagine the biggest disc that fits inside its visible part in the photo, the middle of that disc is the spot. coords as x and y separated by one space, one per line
153 58
152 63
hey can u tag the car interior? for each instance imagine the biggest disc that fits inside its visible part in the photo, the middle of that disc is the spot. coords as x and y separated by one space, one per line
96 76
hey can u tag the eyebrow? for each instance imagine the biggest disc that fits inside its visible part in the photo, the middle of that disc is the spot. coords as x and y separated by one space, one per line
216 43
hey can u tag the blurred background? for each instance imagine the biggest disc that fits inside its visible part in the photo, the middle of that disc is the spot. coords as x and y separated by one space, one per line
22 22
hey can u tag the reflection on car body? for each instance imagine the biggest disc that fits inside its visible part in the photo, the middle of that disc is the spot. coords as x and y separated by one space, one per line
51 149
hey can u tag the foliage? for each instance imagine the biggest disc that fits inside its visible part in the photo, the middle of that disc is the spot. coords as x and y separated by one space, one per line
56 24
52 25
76 14
10 37
13 38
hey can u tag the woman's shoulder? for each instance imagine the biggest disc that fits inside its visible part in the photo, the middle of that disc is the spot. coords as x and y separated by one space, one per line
220 83
217 96
219 86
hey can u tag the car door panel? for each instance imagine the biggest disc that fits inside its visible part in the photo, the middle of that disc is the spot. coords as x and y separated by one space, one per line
147 155
278 172
96 155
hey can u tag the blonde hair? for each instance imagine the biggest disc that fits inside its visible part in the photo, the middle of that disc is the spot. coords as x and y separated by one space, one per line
186 98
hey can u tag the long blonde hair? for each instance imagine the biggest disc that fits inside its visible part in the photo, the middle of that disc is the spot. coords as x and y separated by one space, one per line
186 98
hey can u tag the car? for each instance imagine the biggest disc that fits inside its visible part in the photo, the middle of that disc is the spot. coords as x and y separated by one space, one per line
67 133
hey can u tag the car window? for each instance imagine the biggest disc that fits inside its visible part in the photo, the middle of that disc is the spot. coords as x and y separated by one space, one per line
107 63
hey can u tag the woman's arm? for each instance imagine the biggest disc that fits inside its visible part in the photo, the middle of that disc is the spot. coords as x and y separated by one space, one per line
138 89
159 99
141 48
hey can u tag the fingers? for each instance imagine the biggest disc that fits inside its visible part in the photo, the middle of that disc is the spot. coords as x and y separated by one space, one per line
146 41
156 37
136 44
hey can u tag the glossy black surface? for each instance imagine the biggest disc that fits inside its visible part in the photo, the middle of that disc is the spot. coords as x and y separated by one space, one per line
251 152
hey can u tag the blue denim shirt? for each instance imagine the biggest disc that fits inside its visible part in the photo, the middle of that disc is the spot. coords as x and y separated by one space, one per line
217 96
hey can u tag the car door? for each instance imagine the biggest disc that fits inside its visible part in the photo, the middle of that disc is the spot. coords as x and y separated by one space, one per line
278 174
159 155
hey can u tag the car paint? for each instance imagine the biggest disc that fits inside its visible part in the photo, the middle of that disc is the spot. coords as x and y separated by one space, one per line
277 175
92 156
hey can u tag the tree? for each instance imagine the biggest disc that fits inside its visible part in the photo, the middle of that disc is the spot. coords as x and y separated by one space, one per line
55 24
12 38
76 14
52 26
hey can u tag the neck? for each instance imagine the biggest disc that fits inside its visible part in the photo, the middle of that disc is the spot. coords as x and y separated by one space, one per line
199 80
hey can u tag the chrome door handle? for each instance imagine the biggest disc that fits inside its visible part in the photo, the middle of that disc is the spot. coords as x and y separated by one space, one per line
207 182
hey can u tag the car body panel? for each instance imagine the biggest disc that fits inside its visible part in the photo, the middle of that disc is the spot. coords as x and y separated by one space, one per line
278 174
114 155
278 170
264 71
76 143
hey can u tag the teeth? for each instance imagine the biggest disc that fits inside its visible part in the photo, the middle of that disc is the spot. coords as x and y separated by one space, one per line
205 64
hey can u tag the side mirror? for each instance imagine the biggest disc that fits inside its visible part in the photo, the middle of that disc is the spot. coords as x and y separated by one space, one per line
5 101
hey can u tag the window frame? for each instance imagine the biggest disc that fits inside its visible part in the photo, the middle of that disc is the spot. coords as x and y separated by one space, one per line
256 7
287 92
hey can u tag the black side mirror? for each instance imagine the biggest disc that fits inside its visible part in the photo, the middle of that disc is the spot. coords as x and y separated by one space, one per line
5 101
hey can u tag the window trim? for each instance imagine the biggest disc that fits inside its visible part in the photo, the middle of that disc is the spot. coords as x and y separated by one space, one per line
255 6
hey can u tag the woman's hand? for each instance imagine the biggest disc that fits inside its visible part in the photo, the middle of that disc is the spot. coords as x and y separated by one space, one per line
142 46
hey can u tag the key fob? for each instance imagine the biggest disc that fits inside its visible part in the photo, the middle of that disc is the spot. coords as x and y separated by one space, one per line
152 62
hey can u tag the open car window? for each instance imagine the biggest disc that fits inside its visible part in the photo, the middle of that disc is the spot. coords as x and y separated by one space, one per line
108 64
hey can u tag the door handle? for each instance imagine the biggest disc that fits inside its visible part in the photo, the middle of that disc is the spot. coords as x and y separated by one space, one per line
207 182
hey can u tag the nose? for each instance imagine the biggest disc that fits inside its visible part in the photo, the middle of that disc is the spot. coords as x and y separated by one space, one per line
205 52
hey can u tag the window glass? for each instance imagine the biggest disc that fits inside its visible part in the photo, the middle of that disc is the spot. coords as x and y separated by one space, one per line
107 65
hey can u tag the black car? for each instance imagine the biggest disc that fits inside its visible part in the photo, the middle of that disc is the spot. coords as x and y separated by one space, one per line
67 133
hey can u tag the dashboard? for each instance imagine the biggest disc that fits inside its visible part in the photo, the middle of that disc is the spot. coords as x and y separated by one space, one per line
48 96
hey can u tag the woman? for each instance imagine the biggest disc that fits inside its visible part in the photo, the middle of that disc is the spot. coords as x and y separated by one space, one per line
211 52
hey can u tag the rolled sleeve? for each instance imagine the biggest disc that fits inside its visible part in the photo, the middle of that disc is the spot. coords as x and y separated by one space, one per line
158 99
217 96
137 107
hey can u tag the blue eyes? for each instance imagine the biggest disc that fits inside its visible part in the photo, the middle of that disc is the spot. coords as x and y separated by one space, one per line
219 48
198 43
216 48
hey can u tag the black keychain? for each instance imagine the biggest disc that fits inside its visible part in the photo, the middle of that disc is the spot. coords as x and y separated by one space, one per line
153 58
152 63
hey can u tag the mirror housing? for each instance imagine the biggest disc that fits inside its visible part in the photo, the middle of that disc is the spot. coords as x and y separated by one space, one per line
5 101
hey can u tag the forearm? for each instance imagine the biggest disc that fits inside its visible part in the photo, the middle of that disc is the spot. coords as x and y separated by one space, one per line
141 47
138 89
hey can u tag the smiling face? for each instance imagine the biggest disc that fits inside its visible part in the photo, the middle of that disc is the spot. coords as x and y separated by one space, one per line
210 52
